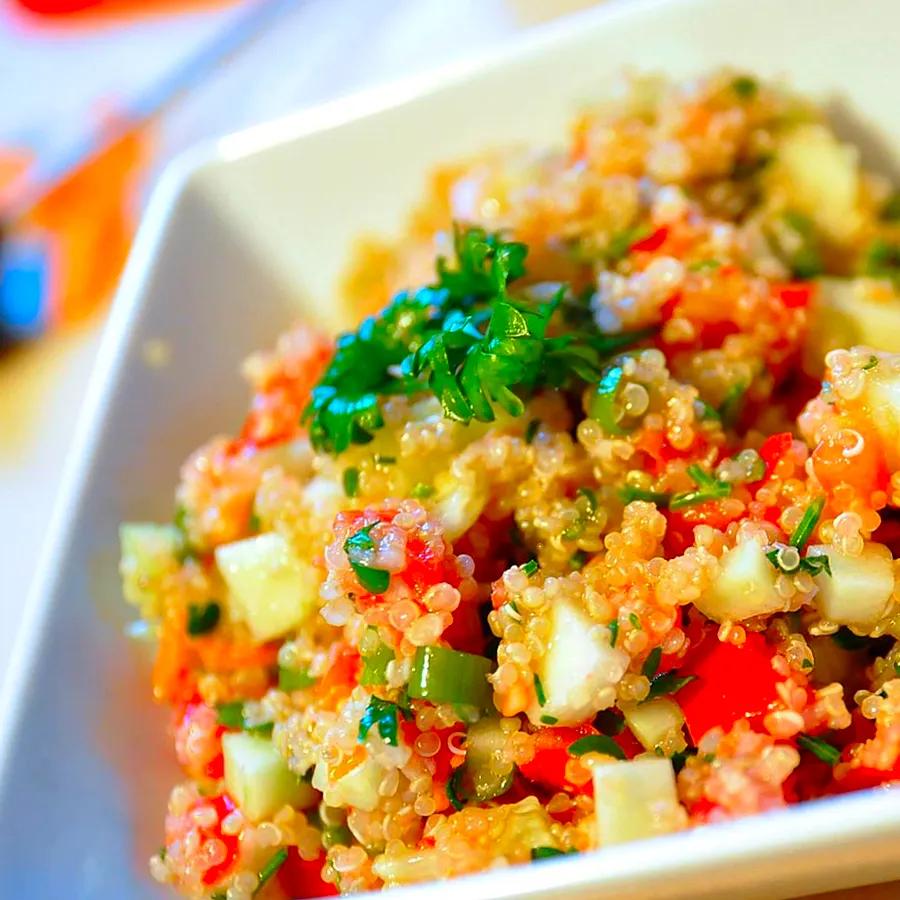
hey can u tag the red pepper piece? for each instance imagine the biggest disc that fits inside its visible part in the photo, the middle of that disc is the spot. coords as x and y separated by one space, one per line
731 683
301 879
651 242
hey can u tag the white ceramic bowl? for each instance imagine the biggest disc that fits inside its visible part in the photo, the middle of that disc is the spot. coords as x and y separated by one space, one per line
240 238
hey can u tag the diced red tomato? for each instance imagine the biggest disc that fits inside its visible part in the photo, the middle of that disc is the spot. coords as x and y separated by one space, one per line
223 805
774 448
731 683
548 767
651 242
682 522
863 777
466 632
301 879
794 294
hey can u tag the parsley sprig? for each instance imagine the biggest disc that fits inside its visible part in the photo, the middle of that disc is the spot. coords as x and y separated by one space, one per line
708 488
465 338
381 714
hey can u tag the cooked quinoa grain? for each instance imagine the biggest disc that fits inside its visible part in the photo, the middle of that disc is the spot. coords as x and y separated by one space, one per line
591 537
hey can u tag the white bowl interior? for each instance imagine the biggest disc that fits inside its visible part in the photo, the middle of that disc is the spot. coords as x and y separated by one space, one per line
238 244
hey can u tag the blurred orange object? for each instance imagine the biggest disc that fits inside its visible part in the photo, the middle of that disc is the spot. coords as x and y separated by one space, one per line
86 223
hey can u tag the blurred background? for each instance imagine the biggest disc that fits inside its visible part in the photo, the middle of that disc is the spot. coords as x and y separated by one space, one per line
97 96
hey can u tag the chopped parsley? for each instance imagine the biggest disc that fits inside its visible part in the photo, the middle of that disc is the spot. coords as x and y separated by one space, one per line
531 430
381 460
294 679
882 260
708 488
630 493
539 690
380 714
454 783
254 524
548 852
635 621
549 720
531 567
464 338
828 753
745 87
231 715
873 361
651 663
351 481
613 632
275 862
807 525
357 547
202 617
729 411
668 683
596 743
578 560
422 491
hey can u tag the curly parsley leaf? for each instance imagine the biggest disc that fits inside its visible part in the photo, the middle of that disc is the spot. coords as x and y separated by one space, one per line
380 714
359 547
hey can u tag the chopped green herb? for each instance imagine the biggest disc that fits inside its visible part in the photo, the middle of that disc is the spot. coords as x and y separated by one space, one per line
294 679
745 87
708 488
897 668
351 481
548 852
383 714
596 743
668 683
806 664
873 361
422 491
635 620
375 665
680 757
385 460
629 494
531 567
589 495
708 757
602 405
828 753
549 720
882 260
730 409
357 547
801 252
539 690
163 853
807 525
651 663
218 895
816 564
621 242
890 212
610 722
270 868
702 265
578 560
613 632
254 524
531 430
202 617
454 782
231 715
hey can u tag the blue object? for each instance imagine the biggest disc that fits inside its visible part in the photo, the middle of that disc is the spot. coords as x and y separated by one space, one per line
24 270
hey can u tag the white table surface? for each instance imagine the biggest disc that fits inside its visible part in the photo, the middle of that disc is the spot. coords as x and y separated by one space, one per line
335 47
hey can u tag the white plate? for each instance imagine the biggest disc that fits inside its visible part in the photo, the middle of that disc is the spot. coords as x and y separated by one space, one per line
240 238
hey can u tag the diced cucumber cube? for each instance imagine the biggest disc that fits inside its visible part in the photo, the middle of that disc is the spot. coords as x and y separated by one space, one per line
744 588
490 773
357 788
635 799
258 778
654 721
859 589
270 587
578 669
149 553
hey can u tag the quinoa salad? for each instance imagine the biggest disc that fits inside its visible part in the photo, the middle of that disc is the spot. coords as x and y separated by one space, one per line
585 535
